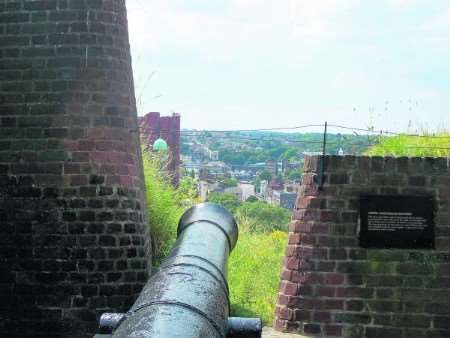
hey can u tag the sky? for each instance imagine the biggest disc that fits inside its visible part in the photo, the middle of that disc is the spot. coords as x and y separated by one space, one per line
248 64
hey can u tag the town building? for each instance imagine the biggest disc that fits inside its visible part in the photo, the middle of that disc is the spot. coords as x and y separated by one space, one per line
284 199
272 167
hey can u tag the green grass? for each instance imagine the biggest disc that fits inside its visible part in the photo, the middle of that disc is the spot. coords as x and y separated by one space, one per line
254 274
425 146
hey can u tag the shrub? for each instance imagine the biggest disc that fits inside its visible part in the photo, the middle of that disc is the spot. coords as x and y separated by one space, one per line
253 215
230 183
228 201
262 217
252 199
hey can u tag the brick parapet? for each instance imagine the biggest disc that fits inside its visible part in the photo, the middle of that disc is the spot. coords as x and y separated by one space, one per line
331 287
74 239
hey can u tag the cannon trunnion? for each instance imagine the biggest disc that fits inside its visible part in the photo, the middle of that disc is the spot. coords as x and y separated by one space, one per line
188 296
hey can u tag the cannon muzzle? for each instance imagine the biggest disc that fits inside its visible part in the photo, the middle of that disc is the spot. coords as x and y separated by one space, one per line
188 296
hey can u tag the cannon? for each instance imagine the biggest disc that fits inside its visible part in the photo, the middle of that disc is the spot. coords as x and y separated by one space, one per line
188 296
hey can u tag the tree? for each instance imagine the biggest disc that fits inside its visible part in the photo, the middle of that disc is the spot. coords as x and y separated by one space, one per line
257 184
277 151
288 154
294 175
230 182
265 175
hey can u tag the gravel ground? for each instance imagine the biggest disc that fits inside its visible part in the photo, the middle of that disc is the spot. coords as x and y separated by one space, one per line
268 332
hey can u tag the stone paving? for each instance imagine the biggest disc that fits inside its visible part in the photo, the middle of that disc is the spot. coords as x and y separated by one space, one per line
269 332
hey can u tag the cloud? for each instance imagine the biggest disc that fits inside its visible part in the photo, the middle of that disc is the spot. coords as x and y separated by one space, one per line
437 28
403 3
236 24
289 53
318 19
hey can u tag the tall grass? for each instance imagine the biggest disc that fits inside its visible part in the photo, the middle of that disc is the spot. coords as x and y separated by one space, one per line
436 145
165 204
254 274
163 211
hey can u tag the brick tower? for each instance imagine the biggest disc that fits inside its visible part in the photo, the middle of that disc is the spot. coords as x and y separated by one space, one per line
72 201
154 126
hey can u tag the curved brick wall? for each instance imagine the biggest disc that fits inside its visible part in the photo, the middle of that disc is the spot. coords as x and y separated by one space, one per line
72 206
331 287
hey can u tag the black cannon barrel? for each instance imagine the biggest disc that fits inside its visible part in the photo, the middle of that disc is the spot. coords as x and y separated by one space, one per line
188 296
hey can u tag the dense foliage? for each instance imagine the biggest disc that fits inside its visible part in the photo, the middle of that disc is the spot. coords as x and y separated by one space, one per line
263 217
254 216
228 201
230 182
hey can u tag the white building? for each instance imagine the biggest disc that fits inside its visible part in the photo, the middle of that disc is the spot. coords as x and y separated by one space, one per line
247 190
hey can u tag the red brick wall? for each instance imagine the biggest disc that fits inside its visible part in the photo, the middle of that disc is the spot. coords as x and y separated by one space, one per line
331 287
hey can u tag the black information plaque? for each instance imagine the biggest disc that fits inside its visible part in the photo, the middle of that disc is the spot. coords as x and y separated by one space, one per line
403 222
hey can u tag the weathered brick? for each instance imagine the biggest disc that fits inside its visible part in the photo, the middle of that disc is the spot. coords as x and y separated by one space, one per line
289 289
354 305
415 321
323 291
384 281
438 308
284 313
333 330
384 306
333 304
414 269
352 318
334 278
355 292
441 322
437 333
376 332
311 328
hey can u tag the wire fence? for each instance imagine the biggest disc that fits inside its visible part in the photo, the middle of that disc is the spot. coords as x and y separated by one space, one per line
347 137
